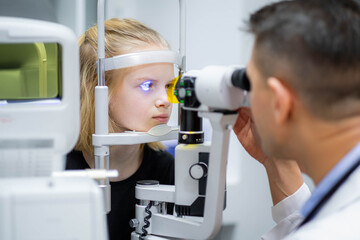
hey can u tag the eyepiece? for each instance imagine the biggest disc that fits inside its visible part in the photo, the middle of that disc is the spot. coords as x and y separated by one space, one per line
240 79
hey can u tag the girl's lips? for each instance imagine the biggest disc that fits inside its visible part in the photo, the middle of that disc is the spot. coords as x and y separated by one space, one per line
163 118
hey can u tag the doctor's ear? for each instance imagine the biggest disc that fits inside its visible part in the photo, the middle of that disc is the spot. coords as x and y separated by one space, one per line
282 99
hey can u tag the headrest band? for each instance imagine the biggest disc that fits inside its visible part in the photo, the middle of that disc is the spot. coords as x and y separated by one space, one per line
140 58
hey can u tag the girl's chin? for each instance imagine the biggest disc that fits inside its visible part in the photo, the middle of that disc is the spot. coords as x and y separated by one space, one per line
144 129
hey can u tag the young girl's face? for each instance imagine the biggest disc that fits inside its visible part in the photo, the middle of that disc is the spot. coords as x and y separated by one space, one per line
139 101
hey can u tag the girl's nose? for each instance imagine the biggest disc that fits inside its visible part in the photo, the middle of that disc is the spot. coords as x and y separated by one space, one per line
162 99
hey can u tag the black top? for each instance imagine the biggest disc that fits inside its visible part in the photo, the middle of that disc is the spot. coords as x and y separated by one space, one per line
156 165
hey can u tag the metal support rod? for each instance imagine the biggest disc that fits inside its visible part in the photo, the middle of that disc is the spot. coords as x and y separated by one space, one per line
185 114
101 41
182 22
101 154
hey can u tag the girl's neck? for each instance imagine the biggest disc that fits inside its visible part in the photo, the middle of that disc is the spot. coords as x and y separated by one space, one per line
126 159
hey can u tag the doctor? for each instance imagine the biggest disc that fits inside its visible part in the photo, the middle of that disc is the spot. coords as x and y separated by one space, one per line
305 95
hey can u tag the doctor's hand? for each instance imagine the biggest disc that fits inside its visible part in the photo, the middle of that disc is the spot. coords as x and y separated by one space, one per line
245 131
284 175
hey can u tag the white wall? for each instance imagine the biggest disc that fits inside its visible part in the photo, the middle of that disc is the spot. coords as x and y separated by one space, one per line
36 9
72 14
75 14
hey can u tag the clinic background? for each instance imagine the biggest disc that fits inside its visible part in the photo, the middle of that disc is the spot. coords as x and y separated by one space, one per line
215 35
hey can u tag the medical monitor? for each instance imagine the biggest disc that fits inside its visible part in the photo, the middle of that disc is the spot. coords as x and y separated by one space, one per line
30 72
39 96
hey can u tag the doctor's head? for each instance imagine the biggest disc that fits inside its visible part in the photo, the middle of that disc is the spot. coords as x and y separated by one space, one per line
137 95
304 69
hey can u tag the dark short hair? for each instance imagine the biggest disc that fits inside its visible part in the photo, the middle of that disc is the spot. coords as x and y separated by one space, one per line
318 42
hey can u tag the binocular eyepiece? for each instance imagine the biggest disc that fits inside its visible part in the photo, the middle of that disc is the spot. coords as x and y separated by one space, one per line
240 79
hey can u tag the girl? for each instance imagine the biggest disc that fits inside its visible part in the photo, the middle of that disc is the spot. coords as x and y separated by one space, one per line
137 101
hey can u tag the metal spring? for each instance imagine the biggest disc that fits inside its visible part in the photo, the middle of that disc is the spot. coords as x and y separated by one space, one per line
146 221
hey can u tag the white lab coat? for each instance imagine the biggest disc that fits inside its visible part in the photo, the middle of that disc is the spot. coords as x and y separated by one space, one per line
286 214
338 219
340 216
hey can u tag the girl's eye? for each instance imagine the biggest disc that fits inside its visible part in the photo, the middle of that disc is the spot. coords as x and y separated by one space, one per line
172 83
146 86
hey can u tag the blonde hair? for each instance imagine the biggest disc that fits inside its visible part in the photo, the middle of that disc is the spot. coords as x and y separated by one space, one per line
121 36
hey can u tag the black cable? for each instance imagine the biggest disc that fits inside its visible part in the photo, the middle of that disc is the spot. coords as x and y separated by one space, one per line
146 221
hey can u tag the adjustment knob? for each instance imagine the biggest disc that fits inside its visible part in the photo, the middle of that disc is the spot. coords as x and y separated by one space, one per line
198 171
134 223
